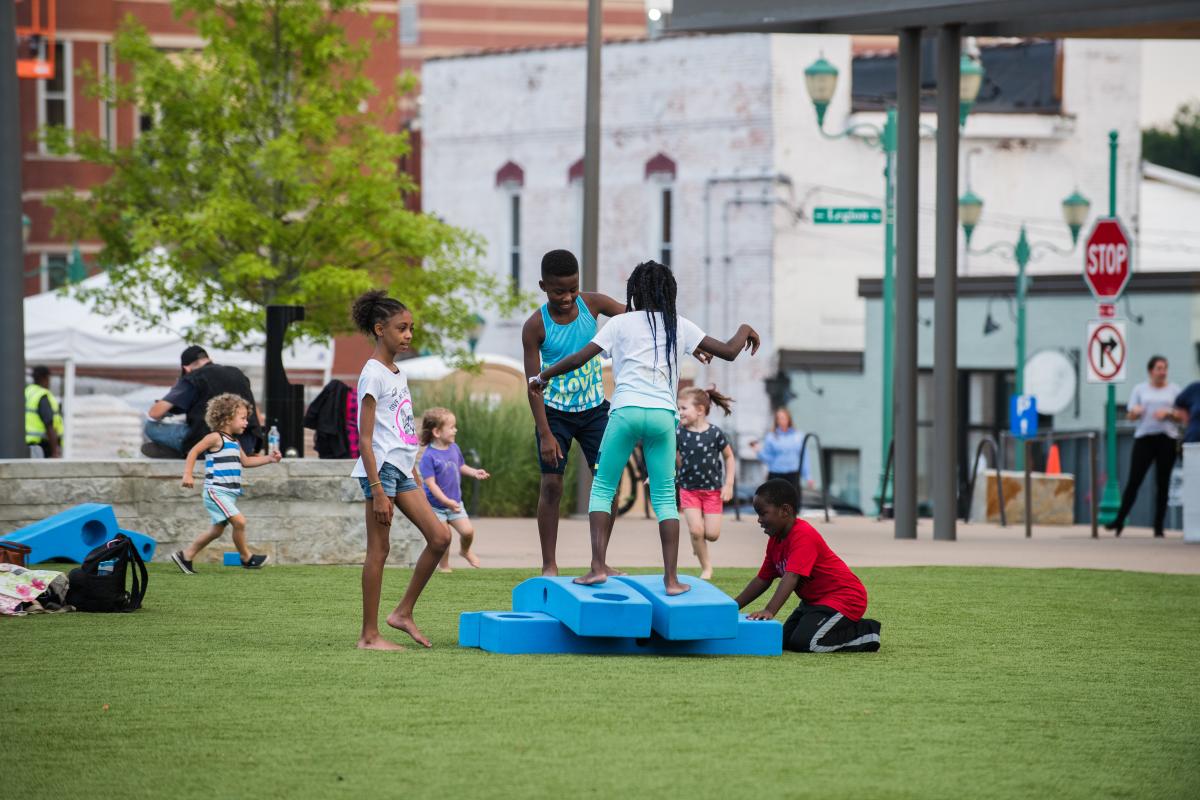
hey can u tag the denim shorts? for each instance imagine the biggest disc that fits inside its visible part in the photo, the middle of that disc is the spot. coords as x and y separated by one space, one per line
394 482
446 515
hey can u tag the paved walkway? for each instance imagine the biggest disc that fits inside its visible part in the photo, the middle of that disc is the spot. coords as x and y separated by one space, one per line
861 542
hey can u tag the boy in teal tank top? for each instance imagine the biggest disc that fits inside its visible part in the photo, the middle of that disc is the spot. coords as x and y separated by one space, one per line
574 406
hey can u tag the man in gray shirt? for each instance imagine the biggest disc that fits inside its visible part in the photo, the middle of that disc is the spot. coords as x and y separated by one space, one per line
1152 404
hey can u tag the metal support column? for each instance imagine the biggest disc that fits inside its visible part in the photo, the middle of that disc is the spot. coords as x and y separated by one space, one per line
908 112
12 254
945 291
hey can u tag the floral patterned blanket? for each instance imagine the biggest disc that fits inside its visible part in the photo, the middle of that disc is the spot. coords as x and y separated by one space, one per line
24 591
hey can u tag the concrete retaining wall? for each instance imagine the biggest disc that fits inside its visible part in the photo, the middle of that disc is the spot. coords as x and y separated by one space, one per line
305 511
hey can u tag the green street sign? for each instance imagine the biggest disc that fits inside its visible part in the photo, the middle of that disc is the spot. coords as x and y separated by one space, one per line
829 215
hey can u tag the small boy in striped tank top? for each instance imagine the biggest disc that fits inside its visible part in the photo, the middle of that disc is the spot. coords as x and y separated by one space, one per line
226 416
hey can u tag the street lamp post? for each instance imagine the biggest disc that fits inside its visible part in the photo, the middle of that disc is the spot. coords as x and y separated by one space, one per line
1074 210
820 80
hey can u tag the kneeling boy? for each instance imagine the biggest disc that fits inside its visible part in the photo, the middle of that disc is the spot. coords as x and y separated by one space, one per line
832 598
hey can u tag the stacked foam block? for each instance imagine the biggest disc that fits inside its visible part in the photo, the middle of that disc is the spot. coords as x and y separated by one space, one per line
626 615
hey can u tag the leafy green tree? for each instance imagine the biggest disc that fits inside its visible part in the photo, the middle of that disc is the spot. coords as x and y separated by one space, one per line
1178 146
264 179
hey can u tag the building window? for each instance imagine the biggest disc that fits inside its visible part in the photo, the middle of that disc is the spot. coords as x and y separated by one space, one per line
410 23
660 175
108 111
54 271
510 180
55 105
514 237
664 228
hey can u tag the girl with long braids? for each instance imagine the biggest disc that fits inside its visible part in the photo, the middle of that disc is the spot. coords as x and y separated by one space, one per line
386 470
645 350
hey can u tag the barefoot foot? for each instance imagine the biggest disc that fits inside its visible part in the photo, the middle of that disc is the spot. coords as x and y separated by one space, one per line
591 578
445 569
471 558
612 572
675 587
407 625
377 642
706 574
550 571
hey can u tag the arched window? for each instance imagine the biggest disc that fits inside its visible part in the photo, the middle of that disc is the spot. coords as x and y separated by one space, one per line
510 180
660 174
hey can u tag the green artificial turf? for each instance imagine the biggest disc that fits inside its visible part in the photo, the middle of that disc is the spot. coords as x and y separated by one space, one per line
990 683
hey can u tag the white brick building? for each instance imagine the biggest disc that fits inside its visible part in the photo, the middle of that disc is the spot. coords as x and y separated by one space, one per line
711 157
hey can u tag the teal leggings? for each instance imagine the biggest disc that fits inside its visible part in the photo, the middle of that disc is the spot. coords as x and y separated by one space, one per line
655 429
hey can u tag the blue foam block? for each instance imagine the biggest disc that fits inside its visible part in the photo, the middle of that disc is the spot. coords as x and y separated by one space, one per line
532 632
611 608
468 628
73 533
233 559
703 612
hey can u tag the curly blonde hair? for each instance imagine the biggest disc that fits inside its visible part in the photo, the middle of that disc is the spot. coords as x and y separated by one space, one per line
221 410
433 419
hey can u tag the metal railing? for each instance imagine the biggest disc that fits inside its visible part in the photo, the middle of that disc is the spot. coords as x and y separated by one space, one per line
824 476
991 443
1052 437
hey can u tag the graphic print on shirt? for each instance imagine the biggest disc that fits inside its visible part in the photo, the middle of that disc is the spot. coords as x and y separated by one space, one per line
399 405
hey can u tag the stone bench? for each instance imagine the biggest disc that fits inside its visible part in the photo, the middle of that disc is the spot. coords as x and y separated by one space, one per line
302 511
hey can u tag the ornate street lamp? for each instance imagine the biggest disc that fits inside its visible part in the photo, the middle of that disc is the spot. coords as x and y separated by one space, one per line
820 79
970 208
1075 212
970 79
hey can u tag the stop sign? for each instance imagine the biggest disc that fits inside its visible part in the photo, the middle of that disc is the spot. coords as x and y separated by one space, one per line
1107 259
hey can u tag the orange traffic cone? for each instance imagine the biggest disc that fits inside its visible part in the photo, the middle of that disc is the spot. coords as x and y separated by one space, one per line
1053 465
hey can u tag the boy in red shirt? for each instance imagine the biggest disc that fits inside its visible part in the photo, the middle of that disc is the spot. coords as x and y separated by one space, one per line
832 598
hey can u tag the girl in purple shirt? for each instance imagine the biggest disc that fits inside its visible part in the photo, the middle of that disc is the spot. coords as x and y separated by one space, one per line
442 468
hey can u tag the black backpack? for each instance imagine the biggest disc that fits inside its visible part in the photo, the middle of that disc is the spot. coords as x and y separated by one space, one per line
99 584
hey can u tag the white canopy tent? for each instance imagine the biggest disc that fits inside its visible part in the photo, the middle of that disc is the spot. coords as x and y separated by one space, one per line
61 330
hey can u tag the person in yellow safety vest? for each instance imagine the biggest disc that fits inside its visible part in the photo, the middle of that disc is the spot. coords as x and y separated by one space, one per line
43 417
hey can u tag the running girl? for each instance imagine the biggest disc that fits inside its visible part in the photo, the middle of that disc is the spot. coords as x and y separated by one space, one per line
706 469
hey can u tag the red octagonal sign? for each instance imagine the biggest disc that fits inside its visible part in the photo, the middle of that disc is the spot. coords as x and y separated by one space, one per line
1107 259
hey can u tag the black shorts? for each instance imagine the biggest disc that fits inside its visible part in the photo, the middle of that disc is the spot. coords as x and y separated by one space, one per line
585 427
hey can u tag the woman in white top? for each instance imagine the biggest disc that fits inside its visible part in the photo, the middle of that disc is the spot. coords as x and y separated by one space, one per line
1152 404
386 470
645 350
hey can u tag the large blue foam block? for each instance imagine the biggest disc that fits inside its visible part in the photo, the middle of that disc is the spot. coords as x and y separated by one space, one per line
611 608
73 533
532 632
703 612
468 628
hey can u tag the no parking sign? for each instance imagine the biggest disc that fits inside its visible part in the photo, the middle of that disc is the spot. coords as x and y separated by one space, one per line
1106 351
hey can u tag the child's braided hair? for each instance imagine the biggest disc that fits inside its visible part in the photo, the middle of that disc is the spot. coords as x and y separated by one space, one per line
651 287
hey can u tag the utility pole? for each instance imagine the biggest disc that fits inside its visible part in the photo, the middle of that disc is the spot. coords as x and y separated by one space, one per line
12 251
589 269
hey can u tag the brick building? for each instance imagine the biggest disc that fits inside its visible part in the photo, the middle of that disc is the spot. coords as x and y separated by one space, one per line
84 33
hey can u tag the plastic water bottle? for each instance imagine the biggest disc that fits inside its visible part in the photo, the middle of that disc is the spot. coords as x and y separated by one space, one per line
273 441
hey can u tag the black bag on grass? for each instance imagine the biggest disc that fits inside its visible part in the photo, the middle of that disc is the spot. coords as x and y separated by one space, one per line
99 584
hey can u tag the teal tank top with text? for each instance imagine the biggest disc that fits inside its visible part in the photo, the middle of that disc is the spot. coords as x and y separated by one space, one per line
579 389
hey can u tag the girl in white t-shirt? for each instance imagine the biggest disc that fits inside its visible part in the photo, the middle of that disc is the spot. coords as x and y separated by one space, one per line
645 343
386 470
